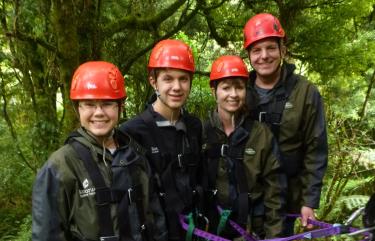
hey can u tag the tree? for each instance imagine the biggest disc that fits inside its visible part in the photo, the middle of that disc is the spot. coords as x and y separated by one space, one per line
42 42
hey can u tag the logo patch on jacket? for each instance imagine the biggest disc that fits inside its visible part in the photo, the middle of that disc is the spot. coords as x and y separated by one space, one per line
250 151
85 183
86 191
288 105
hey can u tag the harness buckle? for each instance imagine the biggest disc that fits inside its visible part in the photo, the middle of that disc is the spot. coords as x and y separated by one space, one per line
179 156
214 191
262 116
224 150
130 190
143 227
109 238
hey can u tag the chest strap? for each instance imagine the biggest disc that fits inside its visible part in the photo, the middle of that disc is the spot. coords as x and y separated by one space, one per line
167 171
271 112
103 194
234 153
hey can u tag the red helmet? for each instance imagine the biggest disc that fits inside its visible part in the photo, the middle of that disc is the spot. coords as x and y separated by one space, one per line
262 26
228 66
97 80
172 53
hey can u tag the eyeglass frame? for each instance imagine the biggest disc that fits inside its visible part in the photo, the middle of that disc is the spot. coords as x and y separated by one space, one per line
83 104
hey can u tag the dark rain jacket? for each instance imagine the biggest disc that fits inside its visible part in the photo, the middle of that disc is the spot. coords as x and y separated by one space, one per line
264 179
64 203
301 135
174 155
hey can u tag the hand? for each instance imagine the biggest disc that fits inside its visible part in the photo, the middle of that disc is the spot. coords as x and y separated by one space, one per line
307 213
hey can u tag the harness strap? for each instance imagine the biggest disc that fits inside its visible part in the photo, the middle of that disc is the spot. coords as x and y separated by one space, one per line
164 173
101 190
200 233
190 229
272 111
233 153
131 206
223 220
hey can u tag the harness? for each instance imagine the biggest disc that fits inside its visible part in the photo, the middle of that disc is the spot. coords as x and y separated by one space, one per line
175 173
233 154
271 112
125 192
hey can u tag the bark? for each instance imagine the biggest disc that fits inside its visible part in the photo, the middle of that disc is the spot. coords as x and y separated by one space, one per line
362 112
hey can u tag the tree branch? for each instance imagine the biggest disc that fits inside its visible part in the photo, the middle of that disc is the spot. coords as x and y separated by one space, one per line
23 37
180 24
147 23
367 98
211 25
11 127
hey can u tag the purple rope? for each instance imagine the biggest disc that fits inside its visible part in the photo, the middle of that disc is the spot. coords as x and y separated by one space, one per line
326 230
201 233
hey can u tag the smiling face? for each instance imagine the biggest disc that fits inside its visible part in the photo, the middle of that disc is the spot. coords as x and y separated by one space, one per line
99 117
173 85
230 94
265 57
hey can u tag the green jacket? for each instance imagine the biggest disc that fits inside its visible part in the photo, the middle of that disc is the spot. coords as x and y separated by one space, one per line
302 136
266 184
64 203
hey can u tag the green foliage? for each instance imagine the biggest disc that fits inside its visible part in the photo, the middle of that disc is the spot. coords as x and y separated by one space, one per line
23 233
42 42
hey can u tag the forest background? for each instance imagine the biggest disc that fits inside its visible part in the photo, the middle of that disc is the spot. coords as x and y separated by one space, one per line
332 42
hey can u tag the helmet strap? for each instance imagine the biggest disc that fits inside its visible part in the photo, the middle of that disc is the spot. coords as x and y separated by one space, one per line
157 93
75 107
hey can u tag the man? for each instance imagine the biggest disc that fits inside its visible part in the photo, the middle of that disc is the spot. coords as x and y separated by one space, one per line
170 135
293 109
369 216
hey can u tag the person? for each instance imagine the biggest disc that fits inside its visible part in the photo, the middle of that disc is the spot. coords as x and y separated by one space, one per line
96 186
293 109
243 168
369 216
170 135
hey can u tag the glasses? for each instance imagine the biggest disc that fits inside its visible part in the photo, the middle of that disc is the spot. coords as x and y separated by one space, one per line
93 105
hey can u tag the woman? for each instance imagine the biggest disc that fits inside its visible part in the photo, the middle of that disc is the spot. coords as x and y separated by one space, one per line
170 135
96 186
243 169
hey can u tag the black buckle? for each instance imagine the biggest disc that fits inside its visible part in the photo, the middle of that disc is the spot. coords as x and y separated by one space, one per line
262 116
143 227
224 150
179 156
130 191
109 238
270 118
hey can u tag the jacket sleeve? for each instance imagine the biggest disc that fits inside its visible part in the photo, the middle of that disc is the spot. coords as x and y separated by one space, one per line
274 182
47 224
316 149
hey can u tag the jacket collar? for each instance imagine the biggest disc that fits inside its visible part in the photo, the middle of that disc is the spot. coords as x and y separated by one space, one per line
216 122
286 71
162 122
